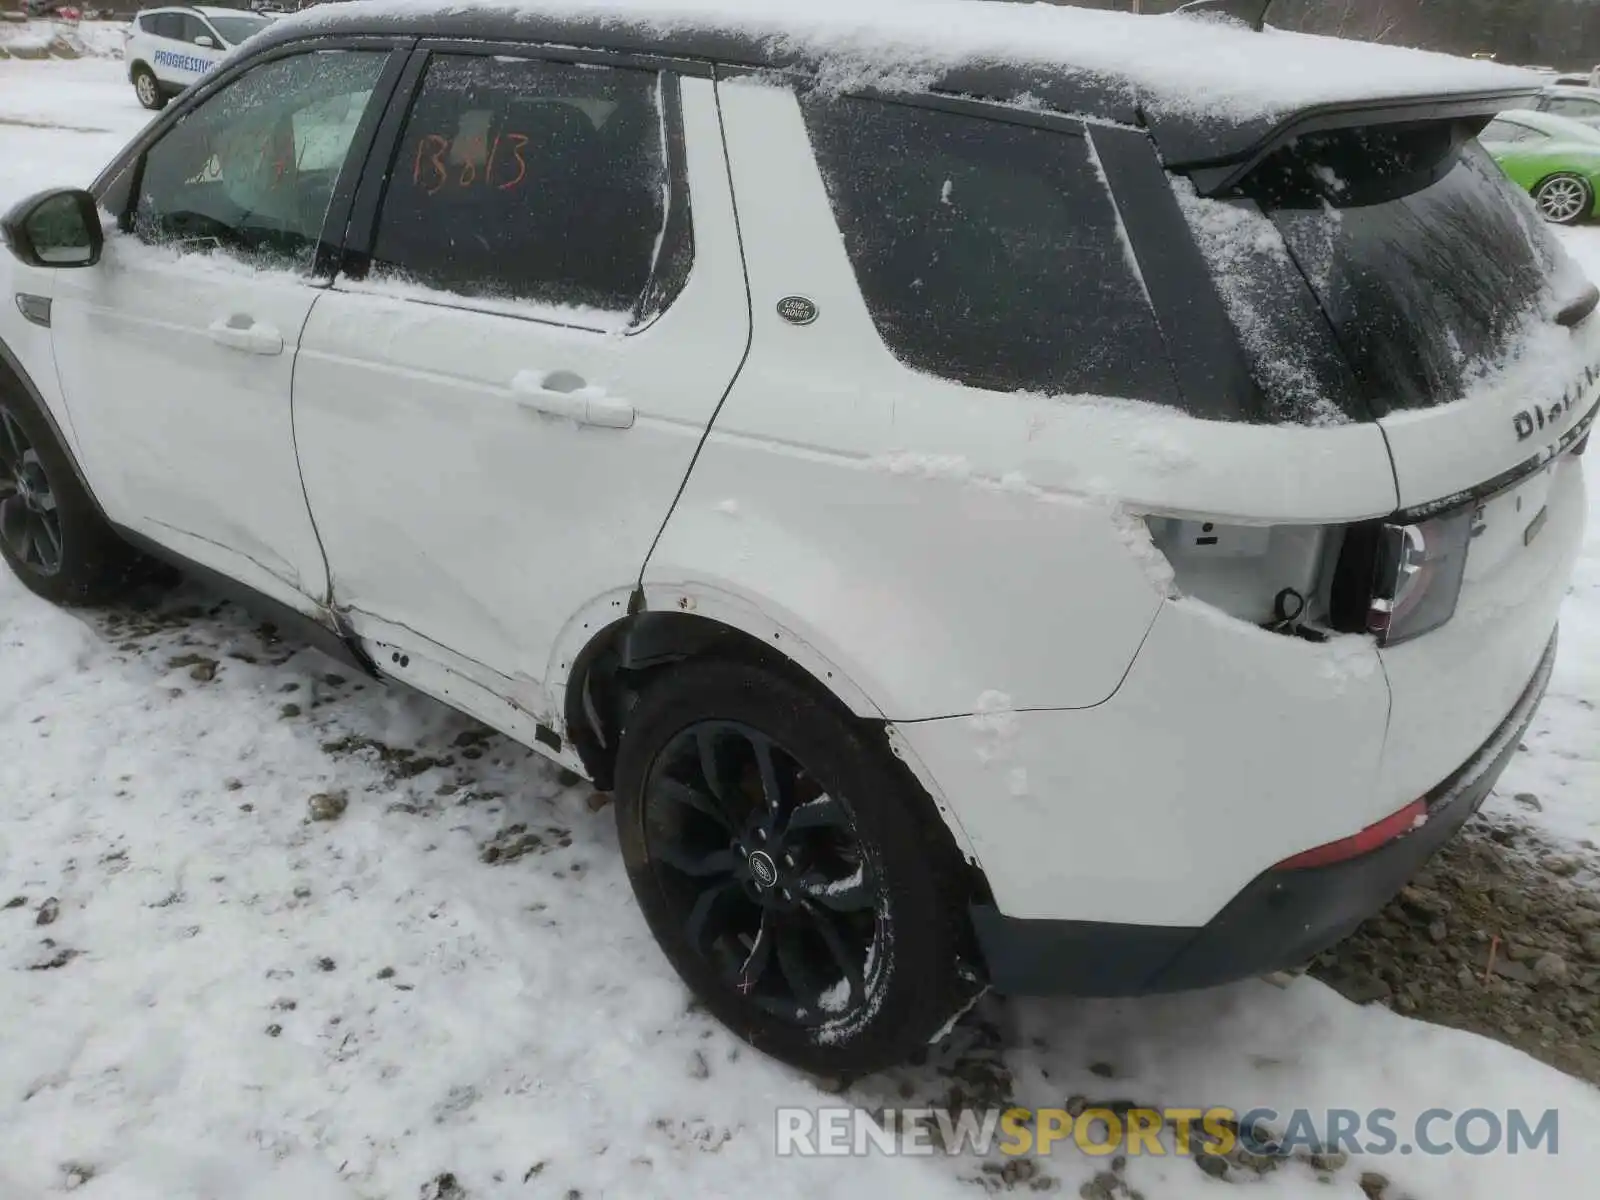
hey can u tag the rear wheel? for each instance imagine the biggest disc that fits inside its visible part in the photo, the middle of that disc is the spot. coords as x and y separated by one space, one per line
1565 199
51 535
147 88
793 874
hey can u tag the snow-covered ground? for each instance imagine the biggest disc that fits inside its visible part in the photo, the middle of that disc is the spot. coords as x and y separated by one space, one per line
235 1003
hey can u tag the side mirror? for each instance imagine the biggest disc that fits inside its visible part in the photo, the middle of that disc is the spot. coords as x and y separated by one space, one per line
206 40
58 228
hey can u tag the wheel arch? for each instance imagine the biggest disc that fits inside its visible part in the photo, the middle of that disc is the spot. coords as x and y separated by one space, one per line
617 637
614 654
15 380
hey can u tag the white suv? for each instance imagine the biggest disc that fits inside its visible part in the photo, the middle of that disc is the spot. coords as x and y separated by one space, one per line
1072 525
167 49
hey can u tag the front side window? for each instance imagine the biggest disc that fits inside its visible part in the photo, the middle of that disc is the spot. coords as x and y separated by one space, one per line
251 171
194 29
531 181
989 253
235 29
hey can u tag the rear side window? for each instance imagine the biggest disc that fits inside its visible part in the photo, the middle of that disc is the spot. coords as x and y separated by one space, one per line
167 25
235 29
525 180
989 253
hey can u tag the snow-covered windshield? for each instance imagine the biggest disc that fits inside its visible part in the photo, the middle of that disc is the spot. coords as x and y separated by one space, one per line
235 29
1429 265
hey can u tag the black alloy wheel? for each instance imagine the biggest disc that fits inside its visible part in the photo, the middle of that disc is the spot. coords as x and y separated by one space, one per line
795 874
52 535
776 891
30 523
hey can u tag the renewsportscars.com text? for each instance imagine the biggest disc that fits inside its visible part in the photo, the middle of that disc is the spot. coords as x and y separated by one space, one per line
1158 1132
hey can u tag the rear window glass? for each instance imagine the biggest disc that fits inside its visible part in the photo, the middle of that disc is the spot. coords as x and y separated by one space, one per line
989 253
1425 260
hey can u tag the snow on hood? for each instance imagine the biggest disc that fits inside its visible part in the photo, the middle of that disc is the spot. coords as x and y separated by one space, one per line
1180 65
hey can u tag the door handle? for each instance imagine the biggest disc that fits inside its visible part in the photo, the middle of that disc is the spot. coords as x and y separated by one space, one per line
564 394
243 332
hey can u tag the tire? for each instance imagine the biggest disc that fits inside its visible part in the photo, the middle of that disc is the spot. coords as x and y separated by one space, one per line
1565 199
855 847
51 534
148 88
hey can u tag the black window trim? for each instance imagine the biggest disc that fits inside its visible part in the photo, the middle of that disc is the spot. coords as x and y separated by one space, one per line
1061 124
1209 367
355 256
117 187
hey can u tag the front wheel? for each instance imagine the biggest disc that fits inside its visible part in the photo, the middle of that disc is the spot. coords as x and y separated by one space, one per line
147 88
1565 199
51 534
795 876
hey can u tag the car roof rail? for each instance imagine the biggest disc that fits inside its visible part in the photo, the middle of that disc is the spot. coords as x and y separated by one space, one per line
1251 12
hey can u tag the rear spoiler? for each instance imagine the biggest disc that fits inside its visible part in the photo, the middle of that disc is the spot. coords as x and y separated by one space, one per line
1212 176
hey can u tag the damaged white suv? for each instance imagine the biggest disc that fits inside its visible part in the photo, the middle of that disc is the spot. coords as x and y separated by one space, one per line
1027 517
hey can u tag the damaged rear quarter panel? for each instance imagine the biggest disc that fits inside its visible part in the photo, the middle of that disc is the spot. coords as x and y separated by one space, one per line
940 542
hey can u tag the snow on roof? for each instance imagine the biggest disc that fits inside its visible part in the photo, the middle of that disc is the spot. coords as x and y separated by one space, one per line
1183 65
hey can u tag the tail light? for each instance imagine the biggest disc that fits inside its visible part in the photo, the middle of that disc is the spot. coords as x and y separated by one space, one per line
1412 816
1417 577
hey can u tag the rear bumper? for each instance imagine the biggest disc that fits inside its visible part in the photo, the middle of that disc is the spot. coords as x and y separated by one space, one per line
1281 919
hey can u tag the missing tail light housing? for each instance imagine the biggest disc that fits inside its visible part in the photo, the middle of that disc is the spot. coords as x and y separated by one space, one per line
1395 579
1248 572
1417 576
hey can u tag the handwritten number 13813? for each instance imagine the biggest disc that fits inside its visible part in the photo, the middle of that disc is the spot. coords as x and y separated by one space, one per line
432 173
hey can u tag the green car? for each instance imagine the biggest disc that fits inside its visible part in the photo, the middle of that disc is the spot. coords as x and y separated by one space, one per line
1557 159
